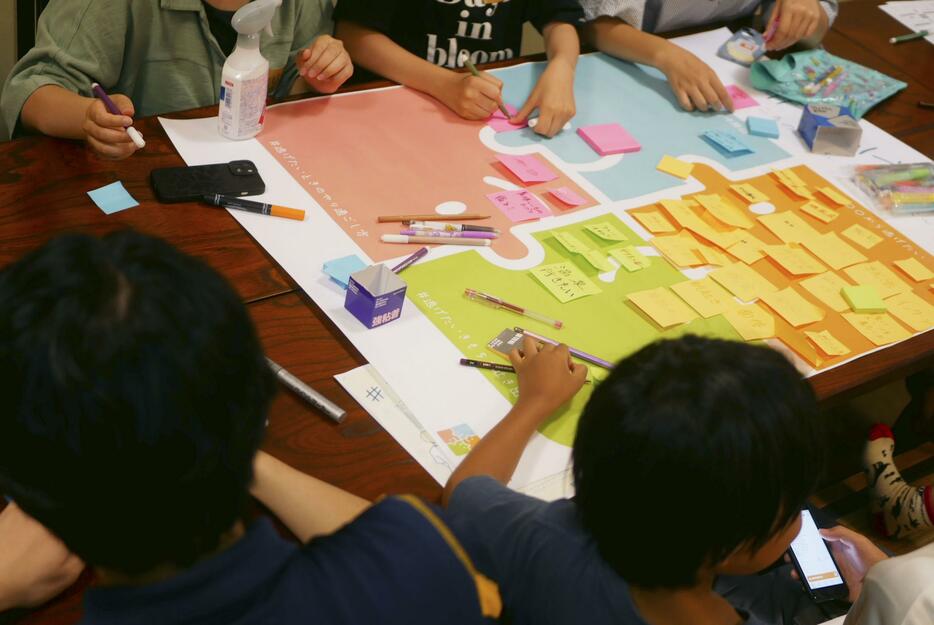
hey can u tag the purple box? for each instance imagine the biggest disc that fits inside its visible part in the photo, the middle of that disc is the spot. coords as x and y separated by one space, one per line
830 129
375 296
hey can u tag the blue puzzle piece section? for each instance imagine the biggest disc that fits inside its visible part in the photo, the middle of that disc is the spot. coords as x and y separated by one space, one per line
639 99
762 127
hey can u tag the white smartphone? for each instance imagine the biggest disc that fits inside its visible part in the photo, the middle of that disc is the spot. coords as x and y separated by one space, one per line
815 564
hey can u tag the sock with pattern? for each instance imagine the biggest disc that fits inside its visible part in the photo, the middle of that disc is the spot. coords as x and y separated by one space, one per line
897 508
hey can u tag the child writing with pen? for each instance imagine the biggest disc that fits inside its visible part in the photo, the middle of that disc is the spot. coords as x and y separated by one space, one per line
422 44
153 57
625 29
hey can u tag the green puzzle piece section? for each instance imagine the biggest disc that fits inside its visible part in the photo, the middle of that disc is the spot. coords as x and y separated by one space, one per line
604 325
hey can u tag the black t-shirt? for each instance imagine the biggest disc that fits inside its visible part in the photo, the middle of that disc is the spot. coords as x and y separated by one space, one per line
439 31
219 21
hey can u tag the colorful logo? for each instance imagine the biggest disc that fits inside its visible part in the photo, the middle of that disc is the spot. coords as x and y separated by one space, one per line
460 439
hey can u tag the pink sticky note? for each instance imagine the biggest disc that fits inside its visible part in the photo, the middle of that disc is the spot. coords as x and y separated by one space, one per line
608 139
527 168
566 195
741 99
519 205
500 123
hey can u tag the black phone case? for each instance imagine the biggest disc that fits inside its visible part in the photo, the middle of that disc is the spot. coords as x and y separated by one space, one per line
820 595
189 184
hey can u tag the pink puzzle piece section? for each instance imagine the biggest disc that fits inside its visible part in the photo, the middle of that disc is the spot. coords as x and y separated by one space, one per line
741 99
500 123
519 205
608 139
566 195
527 168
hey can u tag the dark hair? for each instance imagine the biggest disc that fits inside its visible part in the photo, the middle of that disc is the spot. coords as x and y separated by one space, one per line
690 449
134 392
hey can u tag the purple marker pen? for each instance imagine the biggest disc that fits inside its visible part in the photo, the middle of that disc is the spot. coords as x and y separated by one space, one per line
130 130
574 352
411 260
466 234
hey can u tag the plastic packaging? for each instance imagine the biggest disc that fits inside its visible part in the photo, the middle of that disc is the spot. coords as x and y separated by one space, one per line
245 77
902 189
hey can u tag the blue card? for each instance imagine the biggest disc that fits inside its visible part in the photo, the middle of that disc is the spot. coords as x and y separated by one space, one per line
762 127
340 269
728 143
113 198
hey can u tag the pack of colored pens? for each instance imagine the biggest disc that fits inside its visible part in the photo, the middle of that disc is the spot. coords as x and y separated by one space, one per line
904 189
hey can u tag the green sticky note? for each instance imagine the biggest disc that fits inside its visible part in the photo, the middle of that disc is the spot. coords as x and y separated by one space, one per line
863 299
606 231
630 258
565 281
571 243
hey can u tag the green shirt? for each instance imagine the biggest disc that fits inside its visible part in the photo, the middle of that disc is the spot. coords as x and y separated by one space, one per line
159 53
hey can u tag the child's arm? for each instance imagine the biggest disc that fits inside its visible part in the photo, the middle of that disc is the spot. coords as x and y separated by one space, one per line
325 64
547 379
553 96
471 97
58 112
802 21
694 84
307 506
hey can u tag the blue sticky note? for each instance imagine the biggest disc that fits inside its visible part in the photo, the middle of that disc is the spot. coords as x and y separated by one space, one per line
728 143
340 269
762 127
113 198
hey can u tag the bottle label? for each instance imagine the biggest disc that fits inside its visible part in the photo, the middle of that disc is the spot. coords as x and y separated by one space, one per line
243 107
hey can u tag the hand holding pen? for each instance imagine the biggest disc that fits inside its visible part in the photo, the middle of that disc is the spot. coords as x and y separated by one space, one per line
108 125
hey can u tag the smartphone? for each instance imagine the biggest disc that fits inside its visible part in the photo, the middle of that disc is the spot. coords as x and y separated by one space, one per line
190 184
815 564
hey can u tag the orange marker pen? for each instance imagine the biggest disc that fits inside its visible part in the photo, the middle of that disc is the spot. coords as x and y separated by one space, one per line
250 206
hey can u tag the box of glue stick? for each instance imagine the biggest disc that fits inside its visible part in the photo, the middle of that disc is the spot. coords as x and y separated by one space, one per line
830 129
375 295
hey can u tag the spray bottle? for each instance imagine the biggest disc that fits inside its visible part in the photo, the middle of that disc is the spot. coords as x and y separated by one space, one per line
245 77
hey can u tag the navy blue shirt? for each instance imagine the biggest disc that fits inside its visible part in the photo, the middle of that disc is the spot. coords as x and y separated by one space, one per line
390 566
547 566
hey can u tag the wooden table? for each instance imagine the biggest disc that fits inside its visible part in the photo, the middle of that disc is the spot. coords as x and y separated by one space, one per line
42 193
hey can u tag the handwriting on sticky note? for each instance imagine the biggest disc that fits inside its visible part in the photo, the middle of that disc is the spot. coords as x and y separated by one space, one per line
662 306
724 211
606 231
911 310
827 287
567 195
741 99
749 193
793 259
705 296
791 181
674 167
819 211
879 276
527 167
862 237
501 123
654 222
914 269
728 143
788 227
792 307
519 205
742 281
834 251
879 328
713 256
751 322
113 198
828 343
571 243
565 281
608 139
679 249
630 258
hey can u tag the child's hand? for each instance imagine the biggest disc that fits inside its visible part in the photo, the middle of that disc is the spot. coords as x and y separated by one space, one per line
34 565
855 554
548 377
693 82
472 97
797 20
105 132
325 64
553 96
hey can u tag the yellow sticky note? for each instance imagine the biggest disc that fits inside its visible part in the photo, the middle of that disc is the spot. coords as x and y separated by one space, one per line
679 249
792 307
793 259
630 258
749 193
752 322
828 343
746 252
724 211
742 281
607 231
879 328
662 306
819 211
598 260
705 296
791 181
713 256
571 243
834 251
654 222
565 281
682 211
671 165
911 310
788 227
827 287
879 276
835 196
861 236
914 269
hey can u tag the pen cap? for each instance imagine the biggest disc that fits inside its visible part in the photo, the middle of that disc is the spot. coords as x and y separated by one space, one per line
289 213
